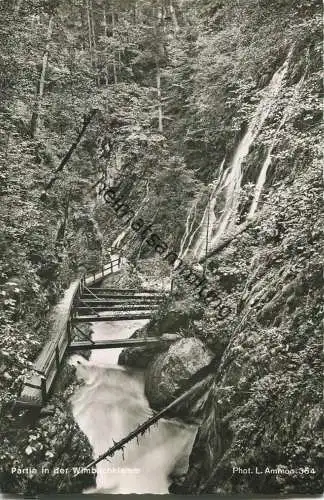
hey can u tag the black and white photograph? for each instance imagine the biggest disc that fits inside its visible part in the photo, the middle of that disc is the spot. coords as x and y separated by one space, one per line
161 248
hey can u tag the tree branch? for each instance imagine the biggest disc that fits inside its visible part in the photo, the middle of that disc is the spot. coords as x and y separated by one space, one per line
70 151
148 423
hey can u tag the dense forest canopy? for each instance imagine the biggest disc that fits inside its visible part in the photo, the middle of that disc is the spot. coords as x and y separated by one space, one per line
161 93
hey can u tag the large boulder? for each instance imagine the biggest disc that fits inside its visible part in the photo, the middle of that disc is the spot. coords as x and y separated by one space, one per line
140 357
178 319
170 370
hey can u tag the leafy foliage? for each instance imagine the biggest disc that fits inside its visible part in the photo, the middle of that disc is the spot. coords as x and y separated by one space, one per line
174 85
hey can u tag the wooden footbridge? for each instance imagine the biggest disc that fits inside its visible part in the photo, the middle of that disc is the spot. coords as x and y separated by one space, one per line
86 302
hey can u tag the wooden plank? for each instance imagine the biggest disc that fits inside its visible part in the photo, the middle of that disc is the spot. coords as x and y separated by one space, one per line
128 290
47 365
123 307
103 301
31 396
111 303
112 317
84 345
54 349
121 297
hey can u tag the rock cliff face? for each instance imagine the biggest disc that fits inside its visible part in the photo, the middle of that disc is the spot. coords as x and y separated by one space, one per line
261 404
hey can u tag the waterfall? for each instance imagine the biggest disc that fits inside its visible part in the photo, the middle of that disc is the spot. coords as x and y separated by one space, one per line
117 242
233 179
267 162
217 221
185 240
208 221
206 225
110 404
263 172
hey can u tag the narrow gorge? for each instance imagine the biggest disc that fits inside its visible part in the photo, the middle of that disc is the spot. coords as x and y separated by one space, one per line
203 120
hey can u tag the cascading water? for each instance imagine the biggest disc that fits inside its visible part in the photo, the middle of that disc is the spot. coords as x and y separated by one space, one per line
232 181
213 228
117 242
204 227
188 235
267 162
208 221
109 405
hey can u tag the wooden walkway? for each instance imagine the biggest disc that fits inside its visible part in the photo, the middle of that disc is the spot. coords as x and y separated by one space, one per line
84 345
84 302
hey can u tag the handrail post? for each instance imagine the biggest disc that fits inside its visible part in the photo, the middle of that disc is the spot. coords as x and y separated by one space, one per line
69 333
57 357
43 389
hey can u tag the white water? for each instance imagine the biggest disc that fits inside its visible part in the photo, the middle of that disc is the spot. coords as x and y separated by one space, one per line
232 181
117 242
109 405
208 221
187 235
204 228
227 190
267 162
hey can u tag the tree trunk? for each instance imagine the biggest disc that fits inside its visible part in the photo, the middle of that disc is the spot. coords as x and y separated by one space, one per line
59 243
243 227
83 24
35 120
105 50
174 17
114 60
89 33
94 43
159 96
17 7
68 154
135 12
93 31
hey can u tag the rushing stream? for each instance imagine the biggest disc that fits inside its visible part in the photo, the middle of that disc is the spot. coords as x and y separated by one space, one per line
110 404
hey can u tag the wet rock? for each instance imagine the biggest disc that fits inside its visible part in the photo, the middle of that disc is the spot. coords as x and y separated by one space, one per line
179 318
170 370
140 357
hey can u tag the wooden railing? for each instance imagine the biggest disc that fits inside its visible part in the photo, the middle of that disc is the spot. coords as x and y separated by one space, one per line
38 383
96 275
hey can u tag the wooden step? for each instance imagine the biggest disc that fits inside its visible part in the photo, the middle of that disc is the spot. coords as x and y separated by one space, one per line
104 300
118 307
127 302
113 316
127 290
125 296
83 345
